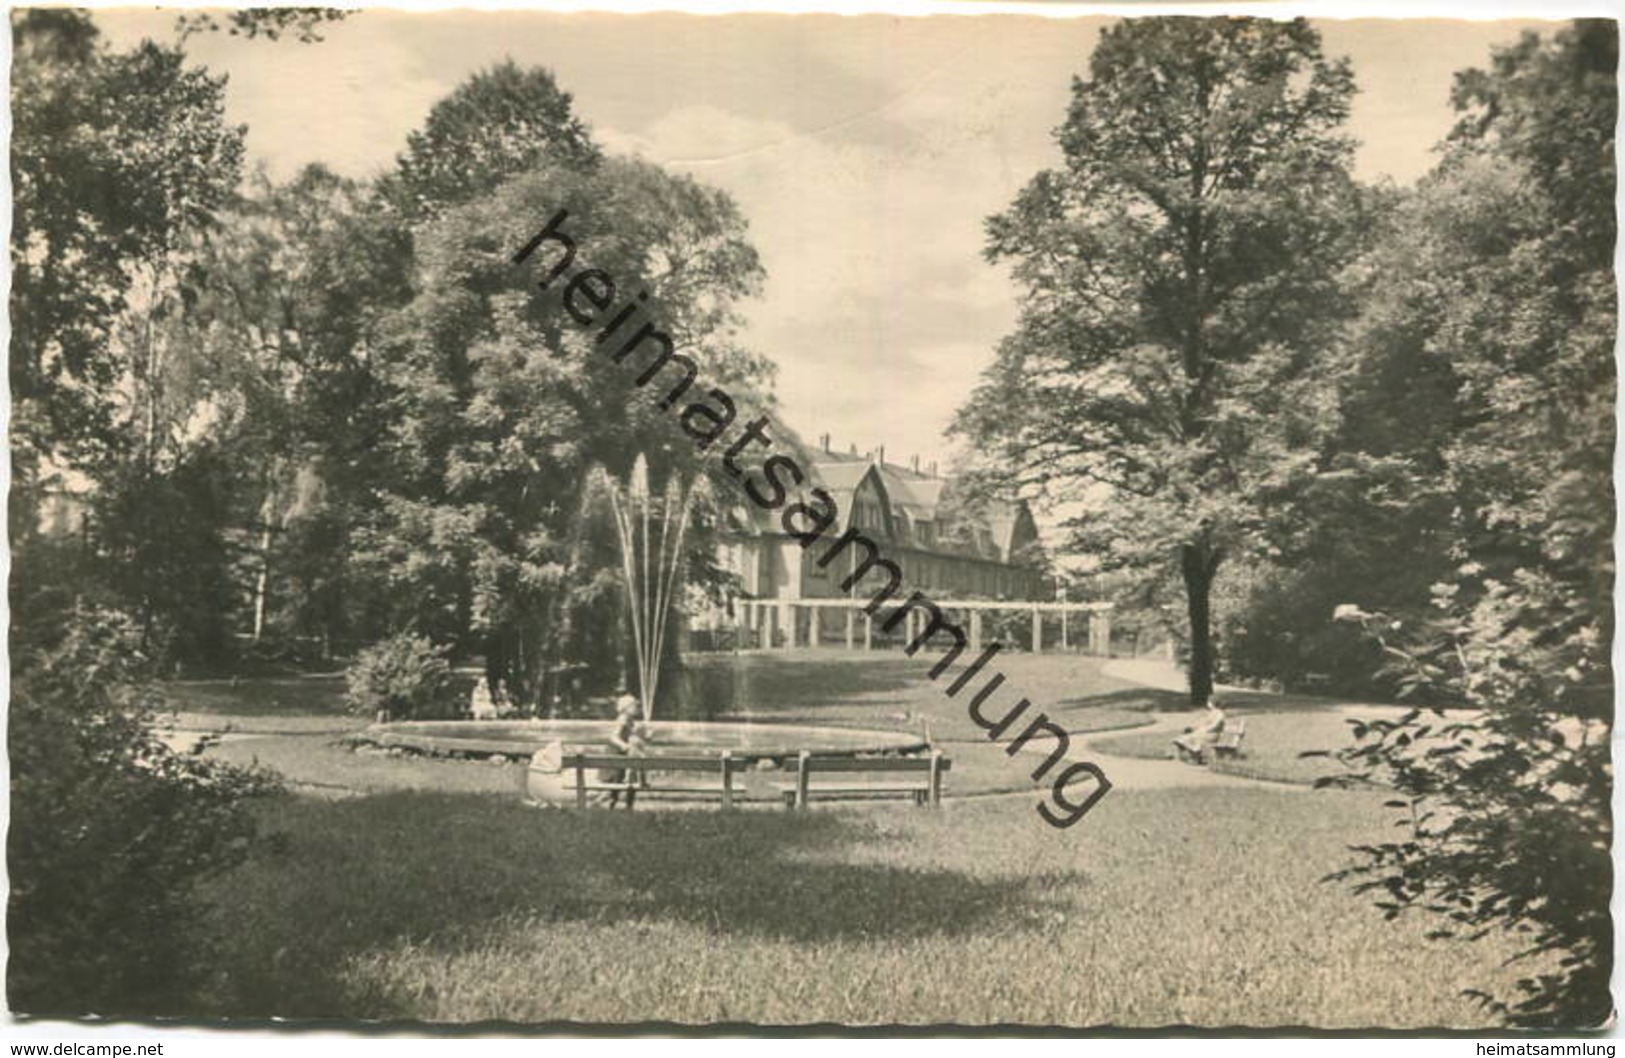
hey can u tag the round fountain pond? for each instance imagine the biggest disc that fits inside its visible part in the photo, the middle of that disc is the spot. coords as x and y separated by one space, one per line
522 739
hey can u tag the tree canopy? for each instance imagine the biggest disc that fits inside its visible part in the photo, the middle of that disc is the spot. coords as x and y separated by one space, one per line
502 410
1179 287
1501 289
116 157
499 124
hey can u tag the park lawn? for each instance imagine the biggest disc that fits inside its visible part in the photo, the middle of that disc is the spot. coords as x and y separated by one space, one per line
324 764
1159 908
239 726
882 690
262 697
1275 743
890 692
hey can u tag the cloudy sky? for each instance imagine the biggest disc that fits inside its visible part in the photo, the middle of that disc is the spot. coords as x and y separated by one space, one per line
866 153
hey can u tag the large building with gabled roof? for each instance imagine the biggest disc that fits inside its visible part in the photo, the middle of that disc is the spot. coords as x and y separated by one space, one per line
947 545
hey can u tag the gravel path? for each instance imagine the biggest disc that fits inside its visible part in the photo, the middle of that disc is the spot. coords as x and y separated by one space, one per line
1137 773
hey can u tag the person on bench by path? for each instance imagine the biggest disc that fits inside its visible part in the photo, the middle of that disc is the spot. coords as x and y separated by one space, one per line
1193 745
628 738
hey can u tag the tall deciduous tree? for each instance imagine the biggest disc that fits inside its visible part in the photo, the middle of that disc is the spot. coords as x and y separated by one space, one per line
472 531
504 402
116 157
283 305
124 165
1179 277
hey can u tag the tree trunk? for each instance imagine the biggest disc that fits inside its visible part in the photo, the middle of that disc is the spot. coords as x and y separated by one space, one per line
262 582
496 659
1199 561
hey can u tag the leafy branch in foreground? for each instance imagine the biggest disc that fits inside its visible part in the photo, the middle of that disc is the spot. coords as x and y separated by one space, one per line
1504 801
305 23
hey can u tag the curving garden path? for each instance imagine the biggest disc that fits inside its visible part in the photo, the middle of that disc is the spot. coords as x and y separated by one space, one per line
1139 773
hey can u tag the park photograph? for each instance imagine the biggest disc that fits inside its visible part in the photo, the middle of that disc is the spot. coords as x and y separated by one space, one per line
536 521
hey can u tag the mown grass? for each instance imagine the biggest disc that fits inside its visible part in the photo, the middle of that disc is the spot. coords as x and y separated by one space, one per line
1162 907
891 692
321 762
438 896
288 696
1274 746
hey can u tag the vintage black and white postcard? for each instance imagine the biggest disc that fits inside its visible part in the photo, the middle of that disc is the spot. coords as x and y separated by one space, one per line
1025 516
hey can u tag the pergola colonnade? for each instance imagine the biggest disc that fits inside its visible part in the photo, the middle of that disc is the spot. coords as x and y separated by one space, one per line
768 623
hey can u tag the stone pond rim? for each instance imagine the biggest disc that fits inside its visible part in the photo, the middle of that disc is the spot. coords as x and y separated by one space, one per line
522 738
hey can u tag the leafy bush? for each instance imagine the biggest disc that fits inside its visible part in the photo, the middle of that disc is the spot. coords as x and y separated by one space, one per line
1283 630
110 830
404 677
1505 810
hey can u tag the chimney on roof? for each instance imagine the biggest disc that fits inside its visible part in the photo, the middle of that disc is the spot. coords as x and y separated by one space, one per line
880 455
914 461
854 448
824 440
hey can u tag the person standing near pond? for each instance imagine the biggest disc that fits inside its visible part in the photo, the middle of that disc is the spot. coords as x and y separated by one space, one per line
627 738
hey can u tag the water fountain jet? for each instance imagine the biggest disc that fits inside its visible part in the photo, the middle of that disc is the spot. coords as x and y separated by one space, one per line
651 570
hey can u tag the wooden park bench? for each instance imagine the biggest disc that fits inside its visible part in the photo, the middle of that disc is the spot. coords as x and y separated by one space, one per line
919 778
1228 744
657 775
